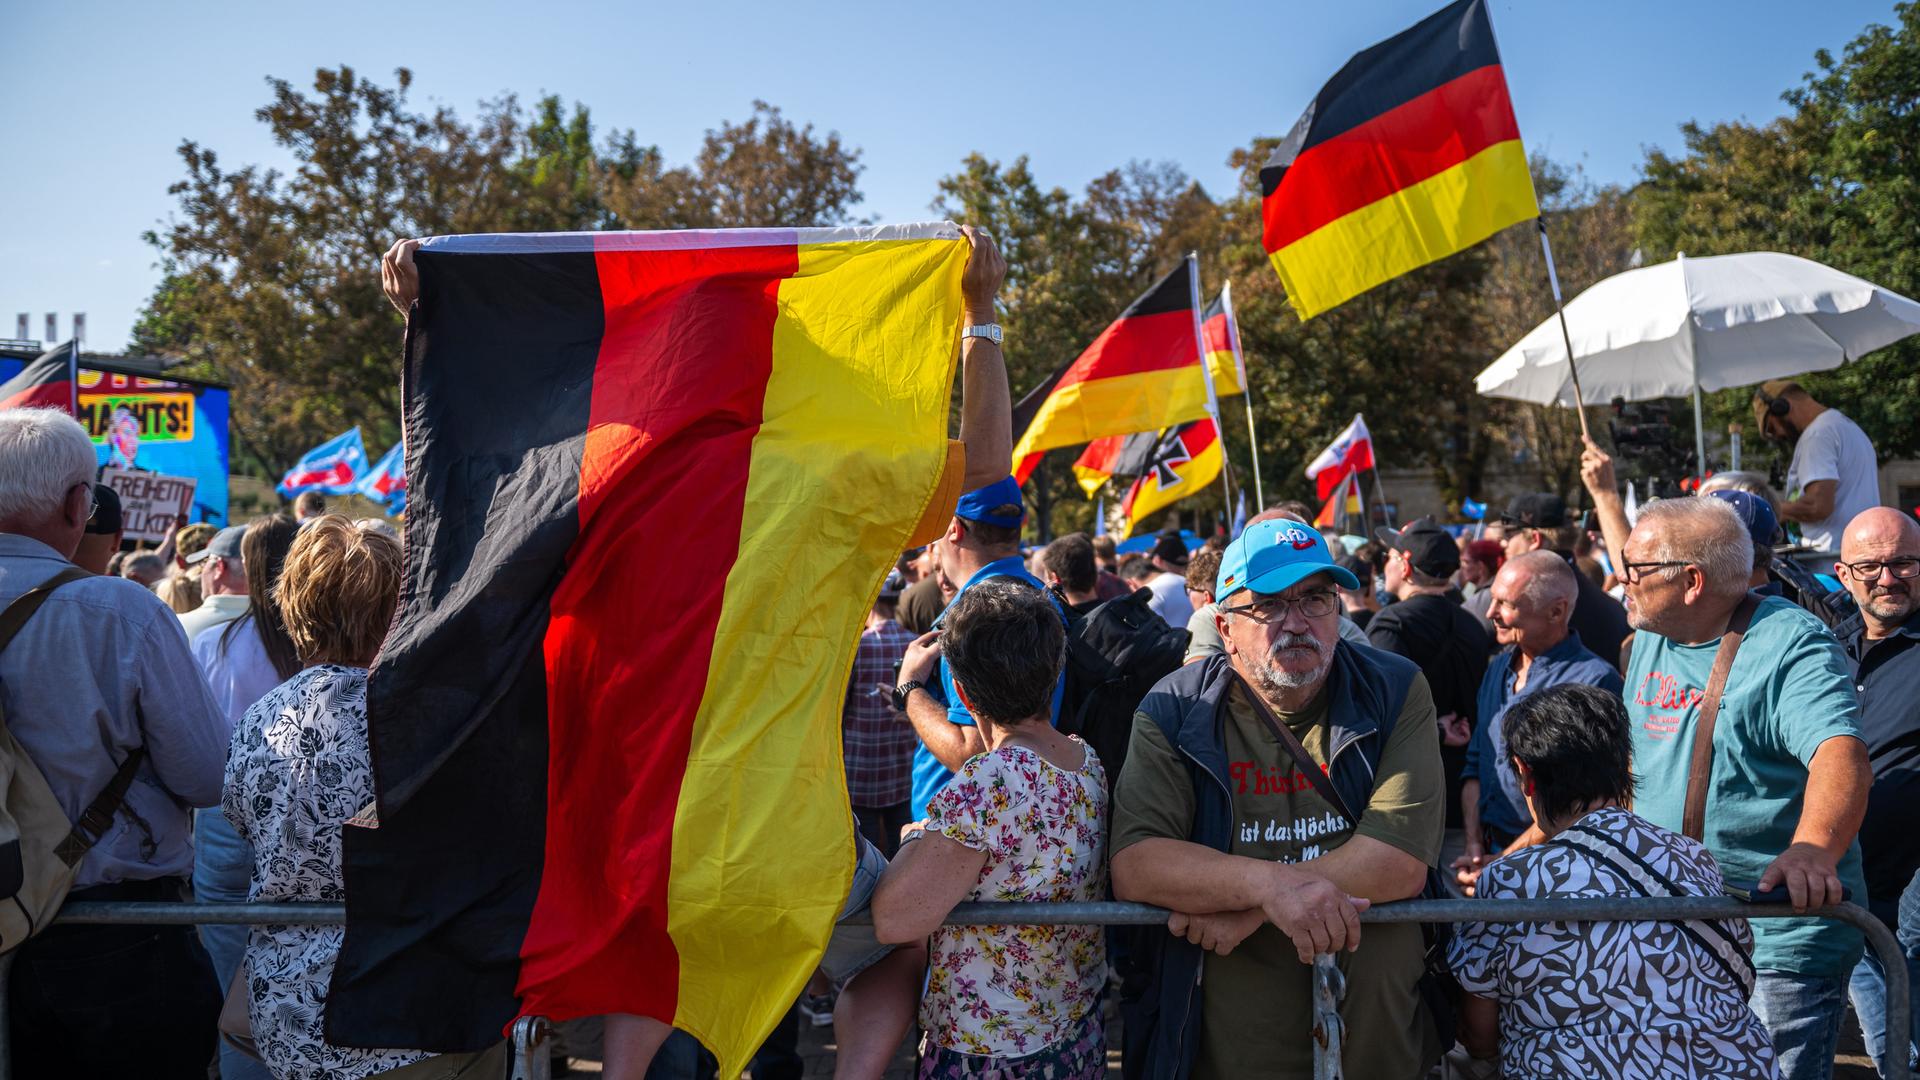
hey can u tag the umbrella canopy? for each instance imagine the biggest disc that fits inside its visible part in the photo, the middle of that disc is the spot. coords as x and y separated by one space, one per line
1709 323
1702 324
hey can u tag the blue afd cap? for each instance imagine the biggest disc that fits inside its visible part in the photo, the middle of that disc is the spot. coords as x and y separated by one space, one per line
1275 555
980 504
1755 513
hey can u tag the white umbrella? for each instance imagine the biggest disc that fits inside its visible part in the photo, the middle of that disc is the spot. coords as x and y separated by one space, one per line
1702 324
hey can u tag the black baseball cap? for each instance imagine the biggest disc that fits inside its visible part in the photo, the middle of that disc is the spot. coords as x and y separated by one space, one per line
1541 510
106 511
1430 548
1170 547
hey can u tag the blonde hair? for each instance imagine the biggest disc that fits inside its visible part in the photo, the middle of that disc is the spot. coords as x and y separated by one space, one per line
180 591
337 591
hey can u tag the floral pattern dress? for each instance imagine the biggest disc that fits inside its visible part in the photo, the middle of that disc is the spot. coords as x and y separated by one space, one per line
1015 992
1615 1000
298 768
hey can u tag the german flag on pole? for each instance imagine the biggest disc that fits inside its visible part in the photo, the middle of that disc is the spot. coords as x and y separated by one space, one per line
1182 461
1409 154
655 481
49 381
1141 374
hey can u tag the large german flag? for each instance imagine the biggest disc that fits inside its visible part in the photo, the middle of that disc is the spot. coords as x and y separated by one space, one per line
1409 154
655 481
48 381
1141 374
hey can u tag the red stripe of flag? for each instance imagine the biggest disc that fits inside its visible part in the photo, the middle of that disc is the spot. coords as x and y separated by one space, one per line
1397 149
1133 345
621 706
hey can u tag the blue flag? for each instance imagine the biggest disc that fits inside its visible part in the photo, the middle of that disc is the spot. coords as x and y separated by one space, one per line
1240 516
386 482
332 468
1472 509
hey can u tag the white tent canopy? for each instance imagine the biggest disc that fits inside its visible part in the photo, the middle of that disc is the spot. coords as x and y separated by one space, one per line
1692 325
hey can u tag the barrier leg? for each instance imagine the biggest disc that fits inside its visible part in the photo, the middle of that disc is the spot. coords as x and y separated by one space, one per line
1329 1031
530 1050
1899 994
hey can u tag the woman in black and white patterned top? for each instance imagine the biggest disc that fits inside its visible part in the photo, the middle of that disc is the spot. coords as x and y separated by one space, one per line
298 769
1604 1000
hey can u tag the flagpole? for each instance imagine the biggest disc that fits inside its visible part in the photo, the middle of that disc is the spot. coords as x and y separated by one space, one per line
1246 390
1560 308
1206 376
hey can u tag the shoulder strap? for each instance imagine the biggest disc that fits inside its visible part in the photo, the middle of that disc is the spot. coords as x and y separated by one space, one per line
17 613
98 815
1319 779
1693 819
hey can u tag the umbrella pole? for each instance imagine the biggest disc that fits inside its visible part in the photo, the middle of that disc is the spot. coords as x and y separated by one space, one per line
1560 308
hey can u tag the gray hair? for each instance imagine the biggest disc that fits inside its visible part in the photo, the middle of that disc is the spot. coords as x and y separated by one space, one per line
1752 483
1549 579
44 453
1705 532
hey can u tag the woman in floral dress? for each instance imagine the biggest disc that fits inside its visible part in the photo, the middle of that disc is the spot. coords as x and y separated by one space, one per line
298 769
1026 820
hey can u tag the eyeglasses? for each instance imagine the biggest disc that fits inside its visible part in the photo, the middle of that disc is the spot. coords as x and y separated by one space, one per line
1904 567
1314 605
93 501
1633 572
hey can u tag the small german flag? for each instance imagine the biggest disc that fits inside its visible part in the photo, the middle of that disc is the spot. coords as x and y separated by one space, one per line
1141 374
1182 460
49 381
1409 154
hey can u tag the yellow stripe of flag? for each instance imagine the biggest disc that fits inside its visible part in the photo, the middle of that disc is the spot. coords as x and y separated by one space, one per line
863 357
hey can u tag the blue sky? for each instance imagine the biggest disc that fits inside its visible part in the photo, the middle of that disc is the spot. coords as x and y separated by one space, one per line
99 95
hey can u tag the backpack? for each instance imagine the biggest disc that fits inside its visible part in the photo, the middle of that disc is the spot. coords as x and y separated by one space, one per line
40 851
1115 653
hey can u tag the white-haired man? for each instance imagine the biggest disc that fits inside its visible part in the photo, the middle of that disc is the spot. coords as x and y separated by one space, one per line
99 683
1784 788
1532 602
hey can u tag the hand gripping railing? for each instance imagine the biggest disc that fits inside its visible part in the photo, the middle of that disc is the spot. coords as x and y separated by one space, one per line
530 1033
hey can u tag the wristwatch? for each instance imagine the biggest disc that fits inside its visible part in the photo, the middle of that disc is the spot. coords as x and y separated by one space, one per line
990 331
905 690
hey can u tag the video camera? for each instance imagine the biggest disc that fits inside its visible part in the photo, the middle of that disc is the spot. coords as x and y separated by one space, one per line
1650 452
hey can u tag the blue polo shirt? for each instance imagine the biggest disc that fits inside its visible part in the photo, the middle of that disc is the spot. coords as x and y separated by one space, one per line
1502 806
1886 675
929 776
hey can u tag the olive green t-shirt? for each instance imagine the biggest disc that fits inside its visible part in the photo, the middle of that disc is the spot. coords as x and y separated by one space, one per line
1257 1010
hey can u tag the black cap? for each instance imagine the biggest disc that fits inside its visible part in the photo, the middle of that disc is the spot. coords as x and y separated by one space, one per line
1541 510
106 511
1430 548
1169 547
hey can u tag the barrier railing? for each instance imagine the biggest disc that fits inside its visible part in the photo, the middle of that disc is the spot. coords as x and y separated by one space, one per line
529 1059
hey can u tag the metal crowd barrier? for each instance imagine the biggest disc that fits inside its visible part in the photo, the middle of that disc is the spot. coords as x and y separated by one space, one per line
530 1059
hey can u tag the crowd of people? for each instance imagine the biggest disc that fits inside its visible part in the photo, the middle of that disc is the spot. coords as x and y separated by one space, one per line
1265 736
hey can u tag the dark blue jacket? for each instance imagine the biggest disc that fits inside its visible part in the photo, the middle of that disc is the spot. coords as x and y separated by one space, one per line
1366 690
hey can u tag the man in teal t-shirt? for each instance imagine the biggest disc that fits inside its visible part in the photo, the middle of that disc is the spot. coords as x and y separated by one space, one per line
1789 779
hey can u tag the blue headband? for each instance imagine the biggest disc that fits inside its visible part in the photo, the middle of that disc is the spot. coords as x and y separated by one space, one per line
980 504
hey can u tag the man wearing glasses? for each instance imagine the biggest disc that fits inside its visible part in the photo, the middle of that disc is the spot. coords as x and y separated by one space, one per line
1880 565
1269 794
1785 783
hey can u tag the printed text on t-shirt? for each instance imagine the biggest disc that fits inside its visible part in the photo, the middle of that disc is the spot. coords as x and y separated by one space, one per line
1321 826
1249 778
1662 691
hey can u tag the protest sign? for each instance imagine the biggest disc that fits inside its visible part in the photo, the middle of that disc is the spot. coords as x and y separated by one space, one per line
149 501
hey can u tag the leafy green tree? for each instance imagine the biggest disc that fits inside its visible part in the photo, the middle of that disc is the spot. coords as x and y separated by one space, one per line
1834 180
270 279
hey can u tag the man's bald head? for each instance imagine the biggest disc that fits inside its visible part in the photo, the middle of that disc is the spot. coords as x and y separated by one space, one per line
1543 578
1885 543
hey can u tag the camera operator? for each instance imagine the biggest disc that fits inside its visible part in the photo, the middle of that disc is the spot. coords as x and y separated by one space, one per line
1834 475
